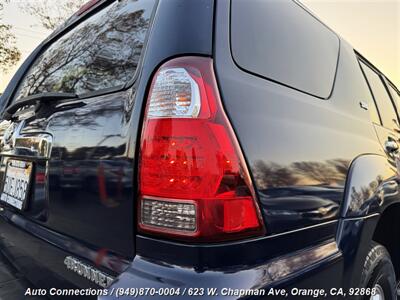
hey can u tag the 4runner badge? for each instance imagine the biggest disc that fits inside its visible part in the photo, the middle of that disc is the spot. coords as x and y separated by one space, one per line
88 272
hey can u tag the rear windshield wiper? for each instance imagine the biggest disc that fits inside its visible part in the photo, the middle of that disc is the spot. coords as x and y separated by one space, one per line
37 98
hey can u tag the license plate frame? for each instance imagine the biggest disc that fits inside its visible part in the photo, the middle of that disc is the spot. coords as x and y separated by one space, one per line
16 183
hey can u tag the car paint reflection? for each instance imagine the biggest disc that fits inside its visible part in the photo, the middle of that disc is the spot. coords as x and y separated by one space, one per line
90 177
301 194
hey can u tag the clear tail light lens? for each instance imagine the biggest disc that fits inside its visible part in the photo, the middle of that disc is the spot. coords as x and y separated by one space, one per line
174 93
194 183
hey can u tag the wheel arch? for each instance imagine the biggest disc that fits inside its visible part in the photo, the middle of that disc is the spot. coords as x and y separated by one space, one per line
372 186
371 202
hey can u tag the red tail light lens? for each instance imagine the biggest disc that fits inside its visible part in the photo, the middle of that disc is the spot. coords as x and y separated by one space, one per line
194 183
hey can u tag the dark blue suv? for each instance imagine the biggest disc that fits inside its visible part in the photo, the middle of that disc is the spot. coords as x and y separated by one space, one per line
223 149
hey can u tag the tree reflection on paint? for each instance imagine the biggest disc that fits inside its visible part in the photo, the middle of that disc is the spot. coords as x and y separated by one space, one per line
331 172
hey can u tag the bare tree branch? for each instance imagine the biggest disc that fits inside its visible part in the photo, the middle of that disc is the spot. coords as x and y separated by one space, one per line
50 13
9 53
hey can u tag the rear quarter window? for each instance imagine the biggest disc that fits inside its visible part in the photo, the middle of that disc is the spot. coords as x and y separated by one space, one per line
381 96
395 96
101 52
281 41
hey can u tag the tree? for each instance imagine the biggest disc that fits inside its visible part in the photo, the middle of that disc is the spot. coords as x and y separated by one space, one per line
9 53
50 13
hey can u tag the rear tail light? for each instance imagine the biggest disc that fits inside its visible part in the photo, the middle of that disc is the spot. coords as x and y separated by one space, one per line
194 183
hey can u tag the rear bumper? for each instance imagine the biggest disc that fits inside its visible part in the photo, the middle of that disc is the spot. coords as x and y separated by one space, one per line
41 260
313 268
152 279
156 279
215 271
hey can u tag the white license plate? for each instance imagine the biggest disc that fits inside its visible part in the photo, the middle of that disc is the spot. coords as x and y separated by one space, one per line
16 183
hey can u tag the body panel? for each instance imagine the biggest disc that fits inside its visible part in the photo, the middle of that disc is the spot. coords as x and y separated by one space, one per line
321 176
298 147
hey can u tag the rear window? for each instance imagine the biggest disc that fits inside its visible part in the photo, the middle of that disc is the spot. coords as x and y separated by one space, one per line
281 41
101 52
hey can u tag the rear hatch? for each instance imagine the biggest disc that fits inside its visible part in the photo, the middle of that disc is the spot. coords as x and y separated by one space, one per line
66 170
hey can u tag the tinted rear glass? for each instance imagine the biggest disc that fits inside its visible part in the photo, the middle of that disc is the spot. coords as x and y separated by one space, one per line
381 96
395 96
100 53
281 41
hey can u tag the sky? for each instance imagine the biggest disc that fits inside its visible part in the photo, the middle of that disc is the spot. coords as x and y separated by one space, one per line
28 32
371 26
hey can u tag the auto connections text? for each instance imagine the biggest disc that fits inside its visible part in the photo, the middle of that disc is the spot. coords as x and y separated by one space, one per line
200 292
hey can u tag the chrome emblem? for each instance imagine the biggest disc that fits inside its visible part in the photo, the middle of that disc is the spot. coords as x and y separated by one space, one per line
88 272
11 133
8 133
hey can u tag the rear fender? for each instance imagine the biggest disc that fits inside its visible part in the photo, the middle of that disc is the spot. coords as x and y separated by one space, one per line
372 185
